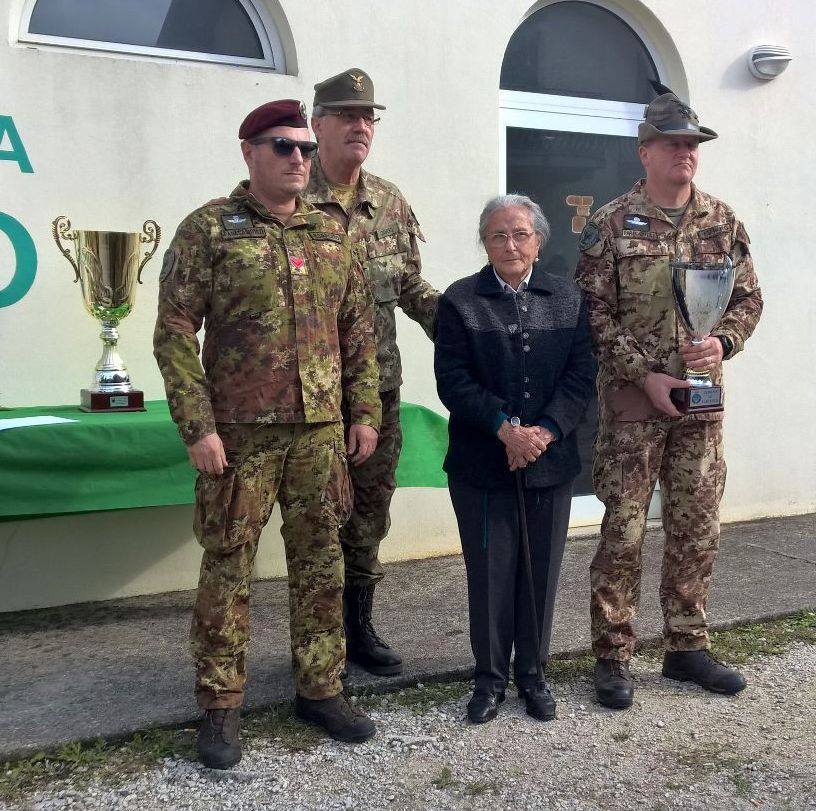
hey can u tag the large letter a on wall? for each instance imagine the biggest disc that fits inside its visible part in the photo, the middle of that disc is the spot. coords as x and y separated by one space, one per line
17 152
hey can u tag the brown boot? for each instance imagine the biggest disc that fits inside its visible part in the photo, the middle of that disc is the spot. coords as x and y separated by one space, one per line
218 743
341 719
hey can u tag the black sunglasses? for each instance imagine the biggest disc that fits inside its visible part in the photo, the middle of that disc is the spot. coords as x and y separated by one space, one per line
284 147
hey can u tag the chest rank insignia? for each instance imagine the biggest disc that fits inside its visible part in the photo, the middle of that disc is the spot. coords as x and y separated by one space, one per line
634 222
297 263
232 222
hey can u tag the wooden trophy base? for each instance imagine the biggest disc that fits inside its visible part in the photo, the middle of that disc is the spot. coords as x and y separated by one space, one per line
698 400
100 402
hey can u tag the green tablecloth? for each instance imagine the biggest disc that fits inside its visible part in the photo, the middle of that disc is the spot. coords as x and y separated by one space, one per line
136 459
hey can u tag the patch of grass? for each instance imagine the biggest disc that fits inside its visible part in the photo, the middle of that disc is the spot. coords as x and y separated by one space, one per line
444 779
741 784
112 762
710 758
282 725
82 762
419 699
563 670
738 645
477 787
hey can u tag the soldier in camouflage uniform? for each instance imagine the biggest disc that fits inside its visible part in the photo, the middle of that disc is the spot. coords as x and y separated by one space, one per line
288 337
642 350
380 222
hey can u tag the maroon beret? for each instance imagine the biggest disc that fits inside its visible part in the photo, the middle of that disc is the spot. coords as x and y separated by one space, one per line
282 113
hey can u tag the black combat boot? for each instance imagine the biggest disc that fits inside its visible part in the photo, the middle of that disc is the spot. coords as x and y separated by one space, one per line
338 716
702 668
218 744
613 684
363 646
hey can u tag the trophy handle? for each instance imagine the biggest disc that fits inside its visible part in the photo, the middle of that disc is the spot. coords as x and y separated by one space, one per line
60 229
151 233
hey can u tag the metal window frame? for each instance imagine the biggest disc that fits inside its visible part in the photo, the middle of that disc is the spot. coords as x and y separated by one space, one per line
273 58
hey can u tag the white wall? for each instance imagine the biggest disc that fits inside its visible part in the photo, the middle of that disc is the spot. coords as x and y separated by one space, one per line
116 140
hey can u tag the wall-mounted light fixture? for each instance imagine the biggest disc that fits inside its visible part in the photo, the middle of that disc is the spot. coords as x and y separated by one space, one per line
768 61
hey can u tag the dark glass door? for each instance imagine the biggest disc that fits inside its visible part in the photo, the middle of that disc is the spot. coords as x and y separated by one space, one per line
570 175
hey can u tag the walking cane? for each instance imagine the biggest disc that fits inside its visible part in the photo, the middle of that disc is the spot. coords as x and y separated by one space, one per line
528 564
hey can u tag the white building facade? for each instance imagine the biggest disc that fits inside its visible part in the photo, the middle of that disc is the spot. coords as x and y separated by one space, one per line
120 111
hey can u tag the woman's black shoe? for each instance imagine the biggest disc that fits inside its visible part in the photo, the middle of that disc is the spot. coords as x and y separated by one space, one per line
539 701
483 706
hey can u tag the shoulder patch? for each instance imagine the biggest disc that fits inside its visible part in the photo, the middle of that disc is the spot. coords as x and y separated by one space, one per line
591 235
169 264
413 225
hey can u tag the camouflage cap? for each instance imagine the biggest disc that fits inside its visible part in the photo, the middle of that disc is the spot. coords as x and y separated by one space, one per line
351 88
667 115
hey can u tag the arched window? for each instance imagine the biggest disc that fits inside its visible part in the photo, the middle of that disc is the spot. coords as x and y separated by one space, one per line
574 82
578 49
237 32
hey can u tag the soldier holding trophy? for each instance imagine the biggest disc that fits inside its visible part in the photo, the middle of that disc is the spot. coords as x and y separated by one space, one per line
289 335
671 291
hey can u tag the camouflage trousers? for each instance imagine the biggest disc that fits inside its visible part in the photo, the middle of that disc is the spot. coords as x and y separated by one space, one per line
304 468
374 483
687 457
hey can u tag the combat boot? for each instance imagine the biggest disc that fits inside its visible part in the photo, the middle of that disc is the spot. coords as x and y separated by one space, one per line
218 743
363 646
338 716
702 668
614 685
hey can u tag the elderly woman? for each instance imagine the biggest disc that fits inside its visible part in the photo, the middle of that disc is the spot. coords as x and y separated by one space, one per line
513 344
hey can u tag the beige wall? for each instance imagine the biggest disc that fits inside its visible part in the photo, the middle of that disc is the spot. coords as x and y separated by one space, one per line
115 140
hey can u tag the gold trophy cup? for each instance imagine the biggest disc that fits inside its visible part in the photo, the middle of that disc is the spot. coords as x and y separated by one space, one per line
108 266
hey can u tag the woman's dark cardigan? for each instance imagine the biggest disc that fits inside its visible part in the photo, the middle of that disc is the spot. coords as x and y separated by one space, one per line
483 367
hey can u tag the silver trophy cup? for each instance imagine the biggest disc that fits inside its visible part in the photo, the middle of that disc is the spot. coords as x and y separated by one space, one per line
701 295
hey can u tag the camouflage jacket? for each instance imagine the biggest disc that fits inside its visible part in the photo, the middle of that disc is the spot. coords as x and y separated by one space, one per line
287 315
385 231
623 266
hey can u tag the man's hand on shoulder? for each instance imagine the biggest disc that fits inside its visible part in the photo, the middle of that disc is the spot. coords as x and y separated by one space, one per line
658 386
362 440
207 455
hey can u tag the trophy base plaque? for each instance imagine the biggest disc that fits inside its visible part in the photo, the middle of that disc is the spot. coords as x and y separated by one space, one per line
698 399
102 401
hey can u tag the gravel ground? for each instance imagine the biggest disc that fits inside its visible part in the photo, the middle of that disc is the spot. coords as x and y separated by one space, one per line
676 748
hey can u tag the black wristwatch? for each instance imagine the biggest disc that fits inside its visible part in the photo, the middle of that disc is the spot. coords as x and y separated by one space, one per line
727 345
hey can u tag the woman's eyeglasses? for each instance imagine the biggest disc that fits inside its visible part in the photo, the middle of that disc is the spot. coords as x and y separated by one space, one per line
499 239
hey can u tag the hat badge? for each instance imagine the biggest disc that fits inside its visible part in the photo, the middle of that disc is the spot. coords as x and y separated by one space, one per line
302 110
357 82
